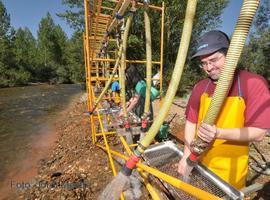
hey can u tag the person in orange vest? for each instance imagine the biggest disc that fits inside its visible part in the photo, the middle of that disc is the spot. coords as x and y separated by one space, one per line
244 116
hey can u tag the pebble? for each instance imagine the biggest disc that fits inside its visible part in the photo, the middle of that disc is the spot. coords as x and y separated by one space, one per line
83 176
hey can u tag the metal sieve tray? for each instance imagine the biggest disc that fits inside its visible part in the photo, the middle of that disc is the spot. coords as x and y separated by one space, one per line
162 155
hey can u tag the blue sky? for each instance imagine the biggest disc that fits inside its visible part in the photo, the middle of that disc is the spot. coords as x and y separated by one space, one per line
28 13
230 15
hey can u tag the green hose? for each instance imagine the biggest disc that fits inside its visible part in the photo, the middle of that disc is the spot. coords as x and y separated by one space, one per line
123 65
148 60
176 76
240 34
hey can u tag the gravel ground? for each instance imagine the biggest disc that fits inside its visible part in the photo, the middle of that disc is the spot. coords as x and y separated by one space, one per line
77 169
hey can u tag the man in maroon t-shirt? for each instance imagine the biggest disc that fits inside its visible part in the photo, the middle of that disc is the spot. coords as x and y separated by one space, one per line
252 89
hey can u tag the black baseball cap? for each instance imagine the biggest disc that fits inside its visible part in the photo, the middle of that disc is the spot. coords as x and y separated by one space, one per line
211 42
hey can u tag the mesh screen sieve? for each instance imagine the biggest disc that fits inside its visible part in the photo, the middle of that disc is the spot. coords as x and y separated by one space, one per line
166 159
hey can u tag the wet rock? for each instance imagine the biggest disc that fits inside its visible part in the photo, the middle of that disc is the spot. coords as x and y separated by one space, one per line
56 174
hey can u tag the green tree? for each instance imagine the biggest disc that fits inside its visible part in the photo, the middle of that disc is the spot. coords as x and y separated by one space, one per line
5 27
46 68
61 53
76 59
75 14
75 18
52 47
6 57
25 51
255 57
207 17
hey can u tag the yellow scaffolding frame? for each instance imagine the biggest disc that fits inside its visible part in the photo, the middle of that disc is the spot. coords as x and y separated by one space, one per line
97 25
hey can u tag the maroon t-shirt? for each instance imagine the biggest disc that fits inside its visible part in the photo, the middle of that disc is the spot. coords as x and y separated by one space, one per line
252 87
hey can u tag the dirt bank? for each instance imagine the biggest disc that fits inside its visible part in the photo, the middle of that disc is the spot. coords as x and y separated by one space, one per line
74 169
77 169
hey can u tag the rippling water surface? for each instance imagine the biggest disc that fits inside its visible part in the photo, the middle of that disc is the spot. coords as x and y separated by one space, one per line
24 113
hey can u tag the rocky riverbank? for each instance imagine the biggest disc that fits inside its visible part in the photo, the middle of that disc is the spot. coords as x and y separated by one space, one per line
77 169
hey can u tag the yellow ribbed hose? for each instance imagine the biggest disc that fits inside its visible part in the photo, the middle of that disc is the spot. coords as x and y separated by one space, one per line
123 65
148 42
237 43
176 76
236 46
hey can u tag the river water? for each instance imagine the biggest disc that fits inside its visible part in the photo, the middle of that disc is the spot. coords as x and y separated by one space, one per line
25 114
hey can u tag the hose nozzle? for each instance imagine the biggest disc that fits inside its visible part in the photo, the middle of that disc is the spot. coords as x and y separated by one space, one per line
193 159
127 125
130 165
144 124
198 146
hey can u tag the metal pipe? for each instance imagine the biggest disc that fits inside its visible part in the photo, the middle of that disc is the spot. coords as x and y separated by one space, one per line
127 61
162 47
88 64
85 65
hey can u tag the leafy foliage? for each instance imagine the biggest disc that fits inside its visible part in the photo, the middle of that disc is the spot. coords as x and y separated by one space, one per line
74 16
76 60
52 57
255 56
5 21
6 54
25 51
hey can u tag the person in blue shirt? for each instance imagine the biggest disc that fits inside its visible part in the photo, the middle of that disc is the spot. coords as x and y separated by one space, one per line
115 88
